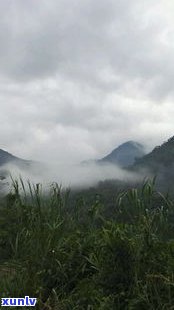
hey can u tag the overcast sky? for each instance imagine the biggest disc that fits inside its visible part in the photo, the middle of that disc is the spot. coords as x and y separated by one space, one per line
79 77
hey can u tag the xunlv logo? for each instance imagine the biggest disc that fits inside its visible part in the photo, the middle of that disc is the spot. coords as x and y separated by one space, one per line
18 302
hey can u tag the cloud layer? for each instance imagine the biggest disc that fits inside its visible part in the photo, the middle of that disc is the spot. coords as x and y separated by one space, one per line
77 78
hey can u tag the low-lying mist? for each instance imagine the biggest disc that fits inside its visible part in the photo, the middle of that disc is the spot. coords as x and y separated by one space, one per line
74 176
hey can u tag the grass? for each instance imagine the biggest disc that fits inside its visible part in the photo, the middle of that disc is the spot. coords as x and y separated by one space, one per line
76 255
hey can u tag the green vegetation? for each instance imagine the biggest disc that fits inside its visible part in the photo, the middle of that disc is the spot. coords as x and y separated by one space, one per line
74 251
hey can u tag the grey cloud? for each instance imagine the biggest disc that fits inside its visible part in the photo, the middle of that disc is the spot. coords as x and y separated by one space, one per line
71 123
80 77
81 40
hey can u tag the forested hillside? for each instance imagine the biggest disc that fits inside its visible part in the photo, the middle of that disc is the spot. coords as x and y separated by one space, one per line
159 163
73 251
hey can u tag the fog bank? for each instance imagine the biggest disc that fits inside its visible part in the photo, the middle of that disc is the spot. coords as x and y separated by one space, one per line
74 176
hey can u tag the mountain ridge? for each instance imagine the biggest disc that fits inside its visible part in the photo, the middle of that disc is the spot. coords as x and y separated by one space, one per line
158 163
162 155
8 158
125 154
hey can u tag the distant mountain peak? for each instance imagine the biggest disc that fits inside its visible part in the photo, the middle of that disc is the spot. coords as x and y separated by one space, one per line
125 154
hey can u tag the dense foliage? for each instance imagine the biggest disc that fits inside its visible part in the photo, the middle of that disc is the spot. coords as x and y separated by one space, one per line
74 251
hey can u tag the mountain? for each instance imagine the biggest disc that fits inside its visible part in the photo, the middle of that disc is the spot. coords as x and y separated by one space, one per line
10 164
7 158
159 162
124 155
161 157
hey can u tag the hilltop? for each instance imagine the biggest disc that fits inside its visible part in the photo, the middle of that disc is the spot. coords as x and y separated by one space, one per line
125 154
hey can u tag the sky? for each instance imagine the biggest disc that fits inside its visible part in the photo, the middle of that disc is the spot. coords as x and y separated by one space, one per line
80 77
